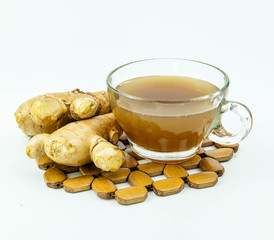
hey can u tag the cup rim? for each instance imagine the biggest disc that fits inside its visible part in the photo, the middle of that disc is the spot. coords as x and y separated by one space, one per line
205 97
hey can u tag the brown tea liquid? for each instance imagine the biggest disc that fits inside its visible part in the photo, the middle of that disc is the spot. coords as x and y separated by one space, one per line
165 127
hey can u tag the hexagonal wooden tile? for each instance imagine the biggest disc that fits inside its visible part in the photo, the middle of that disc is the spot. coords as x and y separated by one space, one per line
211 164
119 176
220 154
78 184
202 179
139 178
152 168
104 188
131 195
174 170
168 186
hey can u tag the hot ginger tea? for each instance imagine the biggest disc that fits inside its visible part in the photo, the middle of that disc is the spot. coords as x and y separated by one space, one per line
164 124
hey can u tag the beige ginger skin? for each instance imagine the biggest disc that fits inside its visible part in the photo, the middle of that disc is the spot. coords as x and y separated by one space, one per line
49 112
81 142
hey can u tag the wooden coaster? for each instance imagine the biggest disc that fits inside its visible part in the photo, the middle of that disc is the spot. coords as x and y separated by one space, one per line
151 168
54 178
139 178
104 188
202 179
131 195
168 186
235 147
90 169
44 163
191 163
175 171
220 154
211 164
119 176
78 184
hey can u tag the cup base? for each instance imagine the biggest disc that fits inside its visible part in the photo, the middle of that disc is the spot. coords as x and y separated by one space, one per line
164 157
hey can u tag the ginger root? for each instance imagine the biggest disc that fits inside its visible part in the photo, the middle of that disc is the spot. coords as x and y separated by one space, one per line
47 113
81 142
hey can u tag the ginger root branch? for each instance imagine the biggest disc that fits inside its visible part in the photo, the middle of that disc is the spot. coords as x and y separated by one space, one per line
81 142
48 112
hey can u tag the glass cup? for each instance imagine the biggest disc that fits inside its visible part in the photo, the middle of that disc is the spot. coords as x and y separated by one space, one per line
171 131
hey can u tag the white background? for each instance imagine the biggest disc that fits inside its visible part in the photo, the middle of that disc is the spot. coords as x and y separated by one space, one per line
48 46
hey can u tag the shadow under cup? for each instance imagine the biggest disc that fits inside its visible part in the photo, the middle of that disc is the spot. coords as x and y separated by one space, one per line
161 130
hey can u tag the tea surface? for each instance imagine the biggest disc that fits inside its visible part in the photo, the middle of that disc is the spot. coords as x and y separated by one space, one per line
167 87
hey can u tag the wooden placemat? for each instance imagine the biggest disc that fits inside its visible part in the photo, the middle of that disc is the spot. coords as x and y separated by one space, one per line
142 175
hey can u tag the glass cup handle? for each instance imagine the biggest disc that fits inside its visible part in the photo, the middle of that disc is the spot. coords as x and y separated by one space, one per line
233 124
